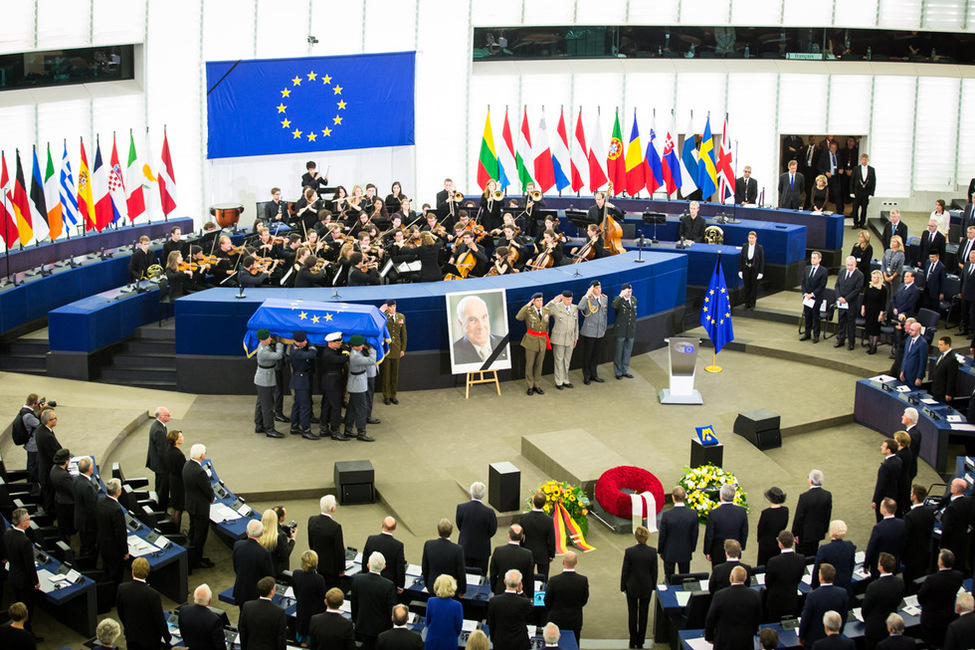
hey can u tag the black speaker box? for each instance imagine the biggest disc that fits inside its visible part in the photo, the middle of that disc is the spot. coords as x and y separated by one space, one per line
760 427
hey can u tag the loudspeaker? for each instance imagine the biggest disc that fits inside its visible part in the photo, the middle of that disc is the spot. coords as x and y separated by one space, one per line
354 481
504 487
760 427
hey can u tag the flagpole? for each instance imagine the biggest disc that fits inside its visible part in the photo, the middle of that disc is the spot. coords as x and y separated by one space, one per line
714 367
6 234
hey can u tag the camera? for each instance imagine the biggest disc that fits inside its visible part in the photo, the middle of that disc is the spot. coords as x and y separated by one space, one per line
293 526
44 402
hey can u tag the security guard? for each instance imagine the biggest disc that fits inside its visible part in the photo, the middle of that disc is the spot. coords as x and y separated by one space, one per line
302 358
269 352
332 362
396 324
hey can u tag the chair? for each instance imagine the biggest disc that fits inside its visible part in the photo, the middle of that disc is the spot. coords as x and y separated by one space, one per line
951 302
680 578
827 307
165 298
696 611
929 321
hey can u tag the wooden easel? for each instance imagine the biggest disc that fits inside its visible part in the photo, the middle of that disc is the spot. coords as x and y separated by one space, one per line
491 378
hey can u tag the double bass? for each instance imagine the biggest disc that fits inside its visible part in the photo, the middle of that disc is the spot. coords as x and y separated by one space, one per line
612 231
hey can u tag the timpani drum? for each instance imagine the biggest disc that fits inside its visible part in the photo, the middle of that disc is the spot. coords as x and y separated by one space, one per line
227 214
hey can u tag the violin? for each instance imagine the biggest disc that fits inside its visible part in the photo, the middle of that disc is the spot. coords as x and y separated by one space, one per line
187 266
206 260
477 230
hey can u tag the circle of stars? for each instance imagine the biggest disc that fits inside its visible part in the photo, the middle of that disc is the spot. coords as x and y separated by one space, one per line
310 78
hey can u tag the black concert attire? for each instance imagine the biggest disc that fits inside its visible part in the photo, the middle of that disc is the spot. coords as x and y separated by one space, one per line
393 202
595 213
316 184
489 213
482 263
169 246
310 278
360 278
139 263
305 221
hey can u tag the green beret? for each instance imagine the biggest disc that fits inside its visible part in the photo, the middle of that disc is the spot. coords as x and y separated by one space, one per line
263 333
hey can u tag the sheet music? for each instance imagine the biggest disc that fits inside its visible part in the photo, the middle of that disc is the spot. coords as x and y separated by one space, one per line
468 626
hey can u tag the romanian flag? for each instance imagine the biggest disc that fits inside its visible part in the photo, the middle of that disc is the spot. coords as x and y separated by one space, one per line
615 162
22 206
707 174
487 162
55 217
9 217
635 168
86 205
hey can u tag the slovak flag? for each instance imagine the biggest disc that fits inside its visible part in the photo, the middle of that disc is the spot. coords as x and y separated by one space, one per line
669 163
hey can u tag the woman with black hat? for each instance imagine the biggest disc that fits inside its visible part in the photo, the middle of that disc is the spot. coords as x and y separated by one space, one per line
773 521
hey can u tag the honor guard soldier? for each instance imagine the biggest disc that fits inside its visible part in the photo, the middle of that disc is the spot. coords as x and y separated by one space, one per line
593 309
396 324
535 342
302 357
269 352
361 357
624 329
332 364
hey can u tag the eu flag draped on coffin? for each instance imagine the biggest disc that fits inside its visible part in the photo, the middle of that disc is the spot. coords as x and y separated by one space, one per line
316 319
323 103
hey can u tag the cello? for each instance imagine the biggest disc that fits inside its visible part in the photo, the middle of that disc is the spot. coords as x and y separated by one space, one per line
612 231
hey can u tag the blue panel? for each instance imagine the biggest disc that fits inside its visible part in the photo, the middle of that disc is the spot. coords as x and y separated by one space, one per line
97 321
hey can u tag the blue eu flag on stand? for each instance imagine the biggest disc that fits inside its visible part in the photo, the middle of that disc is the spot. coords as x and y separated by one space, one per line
716 310
309 104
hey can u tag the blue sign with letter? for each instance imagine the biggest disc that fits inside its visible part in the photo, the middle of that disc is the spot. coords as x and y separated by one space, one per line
706 435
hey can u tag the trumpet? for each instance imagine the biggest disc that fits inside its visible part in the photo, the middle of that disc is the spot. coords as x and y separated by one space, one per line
535 196
497 195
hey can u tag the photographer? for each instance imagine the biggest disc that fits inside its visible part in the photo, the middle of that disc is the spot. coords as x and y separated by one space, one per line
361 357
269 352
22 432
278 539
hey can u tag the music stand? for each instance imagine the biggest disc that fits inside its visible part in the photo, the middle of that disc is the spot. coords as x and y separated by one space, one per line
579 219
653 218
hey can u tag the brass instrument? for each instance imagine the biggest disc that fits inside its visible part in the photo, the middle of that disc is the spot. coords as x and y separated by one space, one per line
154 271
456 197
535 196
713 235
497 195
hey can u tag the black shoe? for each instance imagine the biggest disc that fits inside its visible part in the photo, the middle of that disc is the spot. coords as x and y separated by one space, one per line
815 339
850 346
341 437
628 375
386 401
308 435
205 563
295 431
365 437
558 386
279 417
586 382
872 351
373 421
530 392
619 376
838 344
804 337
348 434
394 400
539 390
273 434
567 386
258 429
598 380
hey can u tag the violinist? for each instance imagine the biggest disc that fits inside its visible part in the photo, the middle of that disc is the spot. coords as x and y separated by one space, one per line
209 238
141 260
180 280
595 213
489 211
360 223
175 243
339 200
594 242
312 241
389 237
463 220
310 275
324 221
312 178
228 260
264 245
433 226
202 268
276 210
363 272
395 198
333 240
251 274
468 245
306 211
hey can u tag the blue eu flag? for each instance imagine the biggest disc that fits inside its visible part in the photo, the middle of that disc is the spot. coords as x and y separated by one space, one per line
716 310
311 104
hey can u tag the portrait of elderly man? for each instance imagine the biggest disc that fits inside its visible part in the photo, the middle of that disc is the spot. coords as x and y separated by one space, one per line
477 343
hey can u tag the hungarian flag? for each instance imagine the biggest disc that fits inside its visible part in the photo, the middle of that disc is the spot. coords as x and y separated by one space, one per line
560 155
38 203
116 185
544 169
104 214
635 167
507 168
597 154
580 155
55 216
25 226
615 161
726 174
523 157
86 205
8 217
135 199
167 179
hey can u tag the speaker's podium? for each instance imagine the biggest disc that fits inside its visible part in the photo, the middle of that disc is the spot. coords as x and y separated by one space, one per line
682 353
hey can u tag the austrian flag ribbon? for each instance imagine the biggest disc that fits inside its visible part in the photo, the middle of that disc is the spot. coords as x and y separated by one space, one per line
565 529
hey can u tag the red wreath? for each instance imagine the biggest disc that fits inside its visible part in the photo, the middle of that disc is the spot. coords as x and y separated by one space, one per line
610 495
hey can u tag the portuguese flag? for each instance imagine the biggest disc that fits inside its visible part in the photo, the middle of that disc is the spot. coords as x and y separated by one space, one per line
615 160
487 162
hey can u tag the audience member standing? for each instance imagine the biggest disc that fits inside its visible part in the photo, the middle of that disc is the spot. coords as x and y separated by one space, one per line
399 637
638 580
156 453
85 507
63 484
679 528
21 572
839 554
813 511
824 598
263 625
960 633
392 548
782 577
47 446
477 524
113 543
441 556
937 599
509 614
721 574
140 611
13 636
513 556
772 521
310 592
883 597
325 538
727 521
251 563
735 614
565 596
373 597
539 536
198 494
888 475
445 615
888 536
199 627
918 524
330 630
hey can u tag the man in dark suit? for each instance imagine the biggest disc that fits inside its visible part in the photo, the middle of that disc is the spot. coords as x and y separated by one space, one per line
792 147
888 536
156 452
935 275
508 615
918 524
896 640
807 165
400 637
832 625
937 599
931 241
679 528
894 227
565 596
197 497
888 475
824 598
513 556
813 285
373 597
915 361
813 512
883 597
727 521
539 538
955 520
849 283
445 200
140 611
141 259
746 187
945 372
112 536
782 577
692 225
85 507
791 186
21 572
251 563
905 300
637 580
325 538
751 268
961 632
441 556
199 627
721 574
47 446
968 294
263 625
392 549
330 630
829 165
477 524
863 184
735 614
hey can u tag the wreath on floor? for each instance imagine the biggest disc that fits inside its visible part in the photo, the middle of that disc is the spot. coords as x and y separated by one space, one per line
611 485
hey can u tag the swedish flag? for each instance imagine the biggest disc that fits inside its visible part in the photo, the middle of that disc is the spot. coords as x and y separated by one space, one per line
716 310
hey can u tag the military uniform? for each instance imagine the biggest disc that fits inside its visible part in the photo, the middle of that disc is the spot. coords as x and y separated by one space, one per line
565 334
266 383
396 323
302 364
624 329
331 379
358 388
593 329
535 343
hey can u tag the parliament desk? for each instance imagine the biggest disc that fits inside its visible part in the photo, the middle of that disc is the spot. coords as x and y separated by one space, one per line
229 515
912 256
881 410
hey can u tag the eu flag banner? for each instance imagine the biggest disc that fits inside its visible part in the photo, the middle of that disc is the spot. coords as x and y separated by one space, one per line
716 310
316 319
322 103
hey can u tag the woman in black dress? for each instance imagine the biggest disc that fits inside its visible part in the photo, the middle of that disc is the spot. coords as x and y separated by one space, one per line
173 462
819 194
863 253
773 521
278 545
874 304
394 198
489 211
309 588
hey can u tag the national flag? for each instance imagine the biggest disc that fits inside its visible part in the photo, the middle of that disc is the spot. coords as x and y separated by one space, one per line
167 178
615 161
135 198
560 155
99 182
25 227
716 310
688 160
707 175
597 154
116 185
635 168
507 168
86 204
487 161
725 168
523 157
8 216
55 215
38 204
68 194
672 169
580 153
544 168
150 182
654 171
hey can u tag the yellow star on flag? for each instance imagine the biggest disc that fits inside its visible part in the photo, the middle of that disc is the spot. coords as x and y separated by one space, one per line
312 75
338 90
326 132
328 317
311 136
286 123
286 92
341 104
326 80
296 133
282 108
337 119
704 308
303 315
296 81
711 292
315 319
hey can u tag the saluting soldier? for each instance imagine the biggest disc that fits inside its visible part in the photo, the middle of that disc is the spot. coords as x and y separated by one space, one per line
535 341
302 357
565 335
396 324
593 309
269 352
624 329
332 362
